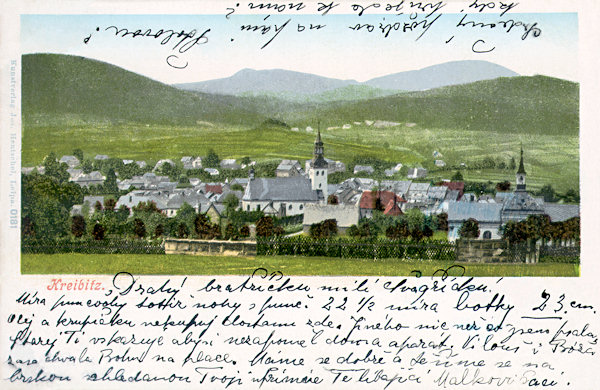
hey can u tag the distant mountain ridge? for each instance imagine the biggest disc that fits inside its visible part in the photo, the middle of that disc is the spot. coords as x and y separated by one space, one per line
274 81
280 81
60 86
441 75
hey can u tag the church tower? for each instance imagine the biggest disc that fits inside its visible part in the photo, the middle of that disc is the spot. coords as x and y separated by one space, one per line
318 168
521 174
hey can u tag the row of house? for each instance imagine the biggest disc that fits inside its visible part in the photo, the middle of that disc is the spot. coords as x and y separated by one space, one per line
298 191
204 198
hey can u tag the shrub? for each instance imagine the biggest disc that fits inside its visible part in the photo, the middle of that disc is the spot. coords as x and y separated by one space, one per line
182 230
278 231
98 232
78 225
325 229
264 227
110 204
442 222
353 231
245 231
231 232
139 229
202 226
469 229
159 230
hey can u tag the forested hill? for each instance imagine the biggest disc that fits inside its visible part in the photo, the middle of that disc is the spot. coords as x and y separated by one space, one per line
524 105
56 85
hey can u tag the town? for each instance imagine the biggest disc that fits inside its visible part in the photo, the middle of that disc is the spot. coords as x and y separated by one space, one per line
302 194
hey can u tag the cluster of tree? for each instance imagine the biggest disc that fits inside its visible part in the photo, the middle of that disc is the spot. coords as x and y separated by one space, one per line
479 188
58 171
402 231
146 221
265 227
487 163
45 203
272 122
324 229
503 186
539 227
550 195
413 224
241 217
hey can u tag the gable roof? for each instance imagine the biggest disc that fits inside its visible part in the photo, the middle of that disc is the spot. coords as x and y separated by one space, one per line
398 186
392 208
214 188
482 212
455 185
295 188
437 192
561 212
367 199
418 187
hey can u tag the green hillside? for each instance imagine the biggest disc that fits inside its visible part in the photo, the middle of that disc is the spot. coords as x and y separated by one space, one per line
347 93
524 105
55 86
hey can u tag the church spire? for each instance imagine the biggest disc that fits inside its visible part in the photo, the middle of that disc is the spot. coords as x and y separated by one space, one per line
521 174
318 160
521 166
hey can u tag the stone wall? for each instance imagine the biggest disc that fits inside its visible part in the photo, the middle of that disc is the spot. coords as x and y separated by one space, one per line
210 247
494 251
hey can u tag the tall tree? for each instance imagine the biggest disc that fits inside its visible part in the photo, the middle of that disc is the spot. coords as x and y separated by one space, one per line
457 176
79 154
231 204
548 193
54 169
469 229
211 160
110 184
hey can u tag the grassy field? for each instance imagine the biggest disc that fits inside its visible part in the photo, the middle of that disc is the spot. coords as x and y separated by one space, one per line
73 263
549 159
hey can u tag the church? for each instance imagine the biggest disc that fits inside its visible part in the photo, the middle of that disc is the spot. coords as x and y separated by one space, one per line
508 206
284 196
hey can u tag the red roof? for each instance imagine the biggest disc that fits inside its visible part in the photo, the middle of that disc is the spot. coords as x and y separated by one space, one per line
455 185
368 198
392 208
214 188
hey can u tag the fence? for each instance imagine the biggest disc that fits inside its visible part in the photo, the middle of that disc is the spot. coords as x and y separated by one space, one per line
349 248
560 254
90 246
480 251
462 250
210 247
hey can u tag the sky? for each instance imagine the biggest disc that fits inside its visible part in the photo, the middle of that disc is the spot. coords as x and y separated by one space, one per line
219 47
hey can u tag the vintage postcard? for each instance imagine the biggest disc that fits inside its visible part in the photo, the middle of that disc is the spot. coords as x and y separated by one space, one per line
316 194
